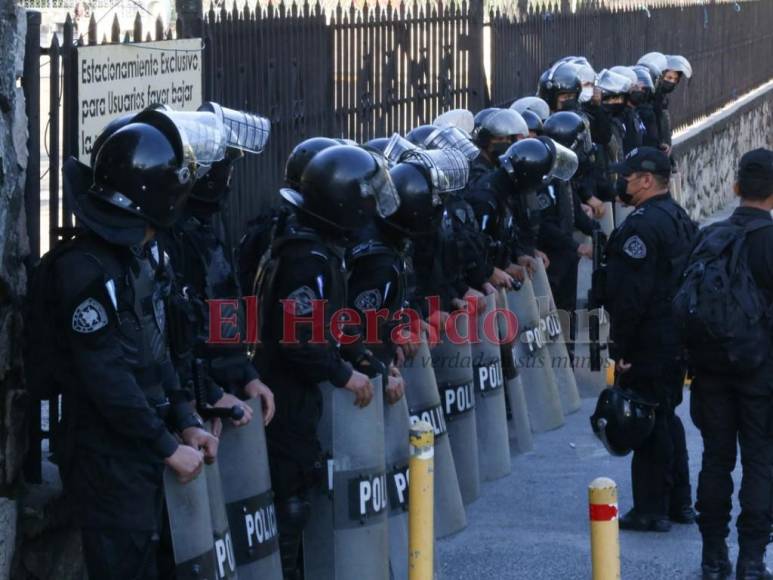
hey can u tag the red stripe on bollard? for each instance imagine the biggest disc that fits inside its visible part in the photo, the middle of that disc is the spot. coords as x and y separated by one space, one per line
602 512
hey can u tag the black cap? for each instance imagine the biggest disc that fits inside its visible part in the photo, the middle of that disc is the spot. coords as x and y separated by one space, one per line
645 160
757 164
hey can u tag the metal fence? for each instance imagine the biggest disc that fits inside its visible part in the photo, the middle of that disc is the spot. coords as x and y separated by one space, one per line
728 44
343 72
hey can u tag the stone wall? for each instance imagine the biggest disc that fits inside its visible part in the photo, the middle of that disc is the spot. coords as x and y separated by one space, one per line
14 248
708 153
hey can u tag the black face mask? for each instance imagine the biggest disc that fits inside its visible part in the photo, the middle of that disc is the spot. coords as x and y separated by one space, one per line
613 108
498 149
637 98
620 189
666 87
568 105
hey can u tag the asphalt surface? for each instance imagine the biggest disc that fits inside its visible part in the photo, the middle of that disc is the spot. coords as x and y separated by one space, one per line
533 524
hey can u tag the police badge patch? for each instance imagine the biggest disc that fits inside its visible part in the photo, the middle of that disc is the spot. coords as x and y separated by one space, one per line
368 300
635 247
302 297
90 316
543 200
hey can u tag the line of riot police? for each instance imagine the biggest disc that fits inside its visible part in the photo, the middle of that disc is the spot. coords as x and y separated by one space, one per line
447 214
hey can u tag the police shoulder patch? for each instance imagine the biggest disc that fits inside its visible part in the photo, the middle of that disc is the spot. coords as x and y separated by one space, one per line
89 317
303 299
369 300
543 200
635 247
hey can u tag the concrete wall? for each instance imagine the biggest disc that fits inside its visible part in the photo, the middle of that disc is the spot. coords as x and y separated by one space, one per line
708 153
14 248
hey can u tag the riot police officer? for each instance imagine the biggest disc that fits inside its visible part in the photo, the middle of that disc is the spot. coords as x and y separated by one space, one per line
562 214
505 200
380 258
123 398
341 188
675 69
614 89
645 258
450 266
496 132
203 268
642 98
582 100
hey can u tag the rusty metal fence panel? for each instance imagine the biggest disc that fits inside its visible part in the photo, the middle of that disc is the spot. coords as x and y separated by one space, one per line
728 44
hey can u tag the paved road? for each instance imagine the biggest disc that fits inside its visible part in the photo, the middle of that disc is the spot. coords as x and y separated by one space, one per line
533 524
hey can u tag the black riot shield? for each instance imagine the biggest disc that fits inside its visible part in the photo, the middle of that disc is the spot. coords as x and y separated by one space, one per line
190 524
249 501
424 403
225 559
397 449
452 362
518 425
531 357
490 408
347 537
551 323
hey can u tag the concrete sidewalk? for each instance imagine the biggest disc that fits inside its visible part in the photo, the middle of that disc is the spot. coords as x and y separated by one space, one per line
533 524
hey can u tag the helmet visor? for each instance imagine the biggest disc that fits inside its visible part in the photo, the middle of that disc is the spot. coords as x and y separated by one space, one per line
565 162
244 131
533 104
614 83
461 118
382 189
679 64
654 60
396 147
448 169
203 135
452 138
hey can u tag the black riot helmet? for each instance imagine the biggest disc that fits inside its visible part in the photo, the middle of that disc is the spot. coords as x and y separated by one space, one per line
378 144
532 162
567 128
211 190
501 123
559 79
533 122
419 134
143 169
644 79
421 180
478 119
419 208
300 156
113 126
622 420
344 187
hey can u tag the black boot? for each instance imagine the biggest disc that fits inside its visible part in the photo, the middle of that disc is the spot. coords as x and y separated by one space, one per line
683 515
292 515
715 564
642 523
752 570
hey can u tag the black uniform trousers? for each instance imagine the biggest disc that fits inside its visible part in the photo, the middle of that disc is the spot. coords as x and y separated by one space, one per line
659 470
730 412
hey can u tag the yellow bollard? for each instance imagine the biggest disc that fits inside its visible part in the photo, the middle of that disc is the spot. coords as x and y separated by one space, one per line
604 529
421 533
